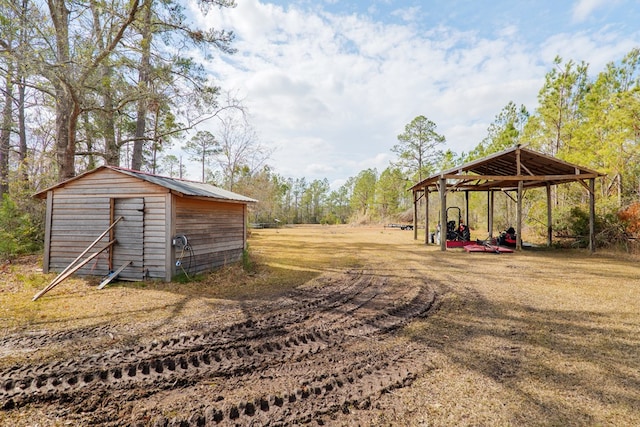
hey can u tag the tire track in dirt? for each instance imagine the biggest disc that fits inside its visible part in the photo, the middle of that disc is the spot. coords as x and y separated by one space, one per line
297 301
267 316
229 343
354 386
41 338
297 343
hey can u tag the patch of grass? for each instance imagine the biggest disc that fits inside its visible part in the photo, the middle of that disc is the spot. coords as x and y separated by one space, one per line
546 337
185 278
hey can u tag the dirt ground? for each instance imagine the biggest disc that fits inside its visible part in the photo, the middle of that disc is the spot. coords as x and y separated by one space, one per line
368 337
314 354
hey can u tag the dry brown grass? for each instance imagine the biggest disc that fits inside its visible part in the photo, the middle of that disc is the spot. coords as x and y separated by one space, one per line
544 337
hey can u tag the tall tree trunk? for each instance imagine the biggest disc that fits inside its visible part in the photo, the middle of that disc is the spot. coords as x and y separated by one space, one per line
112 149
143 86
69 79
106 116
619 186
5 132
66 108
22 87
67 112
91 158
23 151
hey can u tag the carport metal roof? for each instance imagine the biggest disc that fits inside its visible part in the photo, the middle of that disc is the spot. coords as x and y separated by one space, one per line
503 171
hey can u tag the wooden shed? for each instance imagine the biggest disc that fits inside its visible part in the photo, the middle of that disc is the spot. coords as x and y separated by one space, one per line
153 226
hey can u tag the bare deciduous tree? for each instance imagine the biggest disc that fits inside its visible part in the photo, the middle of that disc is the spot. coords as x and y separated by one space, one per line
239 148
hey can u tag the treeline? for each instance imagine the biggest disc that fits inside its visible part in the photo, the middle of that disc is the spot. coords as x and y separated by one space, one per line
592 121
86 83
368 197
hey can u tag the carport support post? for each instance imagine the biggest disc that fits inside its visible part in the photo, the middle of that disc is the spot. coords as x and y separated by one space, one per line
426 216
519 202
549 218
592 215
466 208
415 215
491 197
443 213
519 216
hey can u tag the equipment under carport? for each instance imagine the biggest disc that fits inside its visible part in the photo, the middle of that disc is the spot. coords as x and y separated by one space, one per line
457 232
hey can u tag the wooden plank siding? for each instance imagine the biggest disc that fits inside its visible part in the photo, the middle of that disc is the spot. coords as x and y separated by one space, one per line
215 231
155 236
81 211
73 227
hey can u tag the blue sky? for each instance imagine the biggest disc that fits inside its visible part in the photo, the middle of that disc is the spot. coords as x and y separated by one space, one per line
330 84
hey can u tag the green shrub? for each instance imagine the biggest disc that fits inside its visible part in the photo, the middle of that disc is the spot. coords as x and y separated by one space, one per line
247 263
20 233
610 227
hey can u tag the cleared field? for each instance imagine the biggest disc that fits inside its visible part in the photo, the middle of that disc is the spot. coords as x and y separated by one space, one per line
543 337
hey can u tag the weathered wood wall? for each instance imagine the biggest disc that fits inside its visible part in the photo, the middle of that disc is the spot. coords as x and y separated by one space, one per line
81 211
215 231
75 223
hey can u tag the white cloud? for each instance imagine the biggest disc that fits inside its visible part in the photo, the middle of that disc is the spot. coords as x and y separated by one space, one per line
595 48
583 8
332 92
408 14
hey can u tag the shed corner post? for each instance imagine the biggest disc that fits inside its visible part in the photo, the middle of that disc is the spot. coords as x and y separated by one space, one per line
442 184
245 224
112 232
170 216
47 233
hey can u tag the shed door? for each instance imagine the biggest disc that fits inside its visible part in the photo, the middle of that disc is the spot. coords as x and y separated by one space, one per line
129 235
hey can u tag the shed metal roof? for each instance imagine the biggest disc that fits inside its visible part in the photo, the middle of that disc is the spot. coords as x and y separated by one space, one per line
503 170
180 186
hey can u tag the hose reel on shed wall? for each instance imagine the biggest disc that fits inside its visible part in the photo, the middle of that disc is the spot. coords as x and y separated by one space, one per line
181 243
